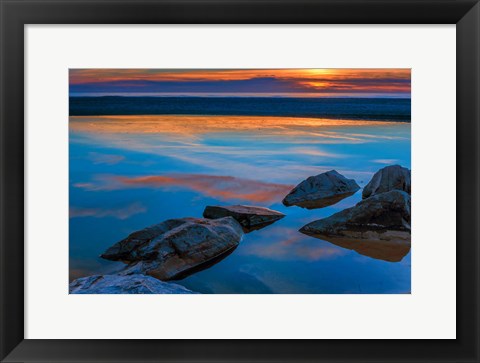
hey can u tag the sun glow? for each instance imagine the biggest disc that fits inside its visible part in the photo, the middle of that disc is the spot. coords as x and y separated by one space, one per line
223 81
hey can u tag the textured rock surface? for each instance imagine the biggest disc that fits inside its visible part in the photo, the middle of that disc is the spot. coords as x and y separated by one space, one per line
250 217
126 284
378 227
393 177
321 191
177 247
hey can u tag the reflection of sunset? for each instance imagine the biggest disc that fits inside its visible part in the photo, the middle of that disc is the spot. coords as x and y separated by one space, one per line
221 187
386 250
151 145
119 213
196 125
288 244
305 145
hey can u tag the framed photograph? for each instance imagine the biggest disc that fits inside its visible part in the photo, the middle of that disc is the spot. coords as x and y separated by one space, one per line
240 181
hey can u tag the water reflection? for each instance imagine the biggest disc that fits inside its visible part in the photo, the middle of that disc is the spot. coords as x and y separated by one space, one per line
130 172
281 243
324 202
221 187
120 212
191 127
391 251
257 227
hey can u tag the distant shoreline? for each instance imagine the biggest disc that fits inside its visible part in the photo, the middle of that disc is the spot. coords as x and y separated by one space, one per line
153 95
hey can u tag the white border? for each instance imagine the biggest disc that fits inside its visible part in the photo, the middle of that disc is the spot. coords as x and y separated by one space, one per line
428 313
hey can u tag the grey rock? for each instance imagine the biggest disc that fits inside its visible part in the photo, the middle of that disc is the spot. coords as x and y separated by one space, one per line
378 227
321 191
176 248
250 217
126 284
393 177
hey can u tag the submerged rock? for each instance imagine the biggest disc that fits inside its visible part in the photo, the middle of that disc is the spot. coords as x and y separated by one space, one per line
393 177
378 227
126 284
250 217
176 248
321 191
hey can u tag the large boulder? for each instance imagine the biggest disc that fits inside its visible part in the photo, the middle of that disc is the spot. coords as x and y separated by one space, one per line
126 284
393 177
378 227
176 248
250 217
321 191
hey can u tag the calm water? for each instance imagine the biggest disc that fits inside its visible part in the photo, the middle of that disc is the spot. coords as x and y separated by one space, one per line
382 109
131 171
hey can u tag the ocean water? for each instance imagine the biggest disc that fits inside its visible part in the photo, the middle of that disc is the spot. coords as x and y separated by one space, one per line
381 109
129 171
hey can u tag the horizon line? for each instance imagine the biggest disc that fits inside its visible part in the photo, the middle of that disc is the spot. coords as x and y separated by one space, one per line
236 95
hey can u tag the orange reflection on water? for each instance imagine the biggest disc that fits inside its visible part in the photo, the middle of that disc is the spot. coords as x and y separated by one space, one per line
291 245
119 213
221 187
187 125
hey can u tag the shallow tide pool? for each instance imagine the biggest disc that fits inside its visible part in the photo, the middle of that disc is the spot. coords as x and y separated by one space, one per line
129 172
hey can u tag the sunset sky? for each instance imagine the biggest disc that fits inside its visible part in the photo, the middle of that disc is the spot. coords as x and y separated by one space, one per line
242 82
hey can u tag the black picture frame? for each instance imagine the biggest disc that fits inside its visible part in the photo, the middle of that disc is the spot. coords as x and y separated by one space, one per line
15 14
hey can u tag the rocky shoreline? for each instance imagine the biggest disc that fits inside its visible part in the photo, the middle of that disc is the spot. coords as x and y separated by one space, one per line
378 227
125 284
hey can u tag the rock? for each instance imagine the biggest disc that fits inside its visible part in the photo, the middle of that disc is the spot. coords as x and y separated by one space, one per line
378 227
127 284
321 191
250 217
176 248
382 212
393 177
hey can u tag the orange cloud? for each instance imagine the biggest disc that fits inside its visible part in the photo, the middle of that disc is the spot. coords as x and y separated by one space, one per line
78 76
303 80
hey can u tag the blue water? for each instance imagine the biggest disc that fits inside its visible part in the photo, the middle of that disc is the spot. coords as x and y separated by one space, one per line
386 109
130 172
